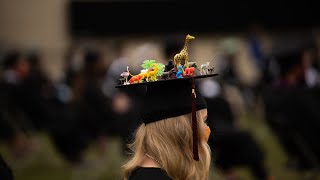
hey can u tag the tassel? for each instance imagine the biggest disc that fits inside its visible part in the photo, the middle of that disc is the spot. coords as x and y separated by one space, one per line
194 123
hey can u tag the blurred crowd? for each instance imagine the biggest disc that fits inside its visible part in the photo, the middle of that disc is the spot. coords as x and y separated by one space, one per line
85 108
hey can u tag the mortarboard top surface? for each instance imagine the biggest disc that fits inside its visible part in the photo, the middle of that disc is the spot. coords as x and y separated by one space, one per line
163 99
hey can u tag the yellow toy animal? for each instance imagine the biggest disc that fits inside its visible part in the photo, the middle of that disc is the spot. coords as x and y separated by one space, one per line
152 74
183 54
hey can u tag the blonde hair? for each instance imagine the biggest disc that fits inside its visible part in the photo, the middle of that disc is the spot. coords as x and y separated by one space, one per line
170 142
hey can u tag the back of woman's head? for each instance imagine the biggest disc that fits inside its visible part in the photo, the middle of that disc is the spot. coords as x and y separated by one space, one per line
170 142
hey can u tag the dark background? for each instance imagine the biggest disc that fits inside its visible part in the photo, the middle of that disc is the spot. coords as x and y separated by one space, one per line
102 18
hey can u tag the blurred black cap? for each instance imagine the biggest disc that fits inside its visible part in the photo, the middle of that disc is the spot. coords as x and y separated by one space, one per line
167 98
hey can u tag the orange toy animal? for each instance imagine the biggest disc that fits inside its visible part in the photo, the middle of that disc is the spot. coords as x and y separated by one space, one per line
135 79
188 71
139 77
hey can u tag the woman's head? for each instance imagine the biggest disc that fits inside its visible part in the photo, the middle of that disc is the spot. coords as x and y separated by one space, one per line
170 141
174 133
173 129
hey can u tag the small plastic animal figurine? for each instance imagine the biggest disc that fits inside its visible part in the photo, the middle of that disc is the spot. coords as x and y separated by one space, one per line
179 74
183 54
193 64
169 66
189 71
125 76
210 70
135 79
139 77
167 74
152 73
121 81
204 68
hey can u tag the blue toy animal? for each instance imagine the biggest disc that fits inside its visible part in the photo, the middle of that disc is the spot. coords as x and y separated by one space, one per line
180 72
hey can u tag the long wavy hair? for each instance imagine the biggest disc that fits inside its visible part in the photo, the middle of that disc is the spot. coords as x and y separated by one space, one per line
170 142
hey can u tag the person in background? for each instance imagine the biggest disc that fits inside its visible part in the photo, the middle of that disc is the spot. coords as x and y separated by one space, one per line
232 146
18 127
123 103
291 109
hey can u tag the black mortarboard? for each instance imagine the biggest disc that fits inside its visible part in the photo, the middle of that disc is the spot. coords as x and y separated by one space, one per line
163 99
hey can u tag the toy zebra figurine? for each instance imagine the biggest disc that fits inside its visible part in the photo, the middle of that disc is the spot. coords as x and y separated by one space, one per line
204 68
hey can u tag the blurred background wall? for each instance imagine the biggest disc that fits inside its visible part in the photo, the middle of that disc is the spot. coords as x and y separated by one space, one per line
54 26
39 25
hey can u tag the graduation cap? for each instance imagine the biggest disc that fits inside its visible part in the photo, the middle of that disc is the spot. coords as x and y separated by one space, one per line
163 99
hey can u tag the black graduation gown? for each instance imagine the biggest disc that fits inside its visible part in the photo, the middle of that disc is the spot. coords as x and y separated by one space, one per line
226 137
293 115
5 171
147 173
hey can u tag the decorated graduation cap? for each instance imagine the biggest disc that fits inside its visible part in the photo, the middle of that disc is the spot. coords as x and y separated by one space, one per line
167 94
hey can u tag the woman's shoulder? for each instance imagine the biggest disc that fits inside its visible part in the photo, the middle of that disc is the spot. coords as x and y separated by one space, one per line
146 173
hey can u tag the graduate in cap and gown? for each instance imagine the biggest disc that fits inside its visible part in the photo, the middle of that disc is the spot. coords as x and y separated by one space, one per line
171 141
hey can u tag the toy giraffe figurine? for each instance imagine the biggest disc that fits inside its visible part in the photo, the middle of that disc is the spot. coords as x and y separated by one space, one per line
183 55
